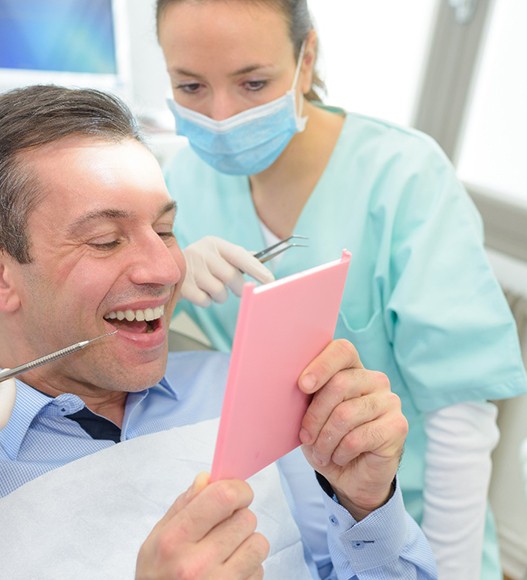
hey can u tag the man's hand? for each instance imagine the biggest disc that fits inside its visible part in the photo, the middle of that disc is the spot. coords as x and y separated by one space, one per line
353 431
208 532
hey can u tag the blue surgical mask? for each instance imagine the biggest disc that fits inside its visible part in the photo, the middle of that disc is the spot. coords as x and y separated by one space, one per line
248 142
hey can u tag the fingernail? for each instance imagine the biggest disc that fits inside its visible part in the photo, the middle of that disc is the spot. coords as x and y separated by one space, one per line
309 382
305 437
200 482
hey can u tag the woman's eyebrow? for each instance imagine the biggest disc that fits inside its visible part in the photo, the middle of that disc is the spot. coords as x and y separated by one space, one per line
184 72
242 71
249 69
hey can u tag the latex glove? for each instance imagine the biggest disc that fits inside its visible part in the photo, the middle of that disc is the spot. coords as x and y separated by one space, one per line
213 265
7 400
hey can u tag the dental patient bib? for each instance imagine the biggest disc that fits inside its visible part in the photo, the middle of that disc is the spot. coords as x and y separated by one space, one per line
88 519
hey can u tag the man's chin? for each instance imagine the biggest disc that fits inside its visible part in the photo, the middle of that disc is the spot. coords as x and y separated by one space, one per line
140 383
135 378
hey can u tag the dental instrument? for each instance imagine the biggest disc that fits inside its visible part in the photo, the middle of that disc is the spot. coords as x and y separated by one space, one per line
8 384
268 254
9 373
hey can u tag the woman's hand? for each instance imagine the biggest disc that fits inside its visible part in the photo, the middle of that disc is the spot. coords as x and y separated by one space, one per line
215 265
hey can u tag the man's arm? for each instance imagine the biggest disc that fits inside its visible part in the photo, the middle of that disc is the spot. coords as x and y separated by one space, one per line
387 543
353 431
353 435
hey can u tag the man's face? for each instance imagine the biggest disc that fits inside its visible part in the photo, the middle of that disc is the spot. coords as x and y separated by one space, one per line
102 248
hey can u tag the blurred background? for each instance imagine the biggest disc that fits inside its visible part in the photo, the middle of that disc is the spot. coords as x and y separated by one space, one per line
455 69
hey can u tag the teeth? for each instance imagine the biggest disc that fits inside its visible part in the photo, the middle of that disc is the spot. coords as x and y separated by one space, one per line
140 315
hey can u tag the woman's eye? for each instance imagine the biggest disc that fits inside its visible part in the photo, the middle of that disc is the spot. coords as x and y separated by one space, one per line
255 85
189 88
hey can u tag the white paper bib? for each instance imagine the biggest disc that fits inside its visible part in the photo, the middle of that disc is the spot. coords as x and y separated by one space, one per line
87 519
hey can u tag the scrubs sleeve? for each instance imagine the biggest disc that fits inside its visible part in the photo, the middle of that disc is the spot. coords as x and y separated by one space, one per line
453 335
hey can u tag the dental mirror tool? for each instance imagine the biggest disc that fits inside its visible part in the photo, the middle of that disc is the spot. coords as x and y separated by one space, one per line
8 390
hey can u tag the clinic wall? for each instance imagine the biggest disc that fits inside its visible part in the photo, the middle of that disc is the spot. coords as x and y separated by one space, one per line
149 85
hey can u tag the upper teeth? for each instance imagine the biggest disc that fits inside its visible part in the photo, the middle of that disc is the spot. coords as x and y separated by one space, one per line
140 315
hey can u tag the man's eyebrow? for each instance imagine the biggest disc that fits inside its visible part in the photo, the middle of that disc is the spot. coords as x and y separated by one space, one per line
168 207
95 215
113 214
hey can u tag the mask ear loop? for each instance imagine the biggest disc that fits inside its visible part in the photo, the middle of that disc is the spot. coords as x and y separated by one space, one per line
301 121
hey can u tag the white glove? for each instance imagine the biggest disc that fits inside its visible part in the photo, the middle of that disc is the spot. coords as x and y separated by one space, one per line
7 400
213 265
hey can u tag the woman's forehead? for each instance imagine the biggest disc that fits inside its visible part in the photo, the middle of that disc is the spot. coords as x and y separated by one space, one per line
222 23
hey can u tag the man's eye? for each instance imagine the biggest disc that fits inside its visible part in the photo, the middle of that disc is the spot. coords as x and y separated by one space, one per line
167 236
105 245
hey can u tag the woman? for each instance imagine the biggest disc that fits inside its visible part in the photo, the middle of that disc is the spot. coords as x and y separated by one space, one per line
266 160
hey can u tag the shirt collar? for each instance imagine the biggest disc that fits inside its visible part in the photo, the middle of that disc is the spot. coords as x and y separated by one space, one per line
166 384
28 404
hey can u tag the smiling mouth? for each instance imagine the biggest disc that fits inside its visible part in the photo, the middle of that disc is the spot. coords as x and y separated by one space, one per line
136 321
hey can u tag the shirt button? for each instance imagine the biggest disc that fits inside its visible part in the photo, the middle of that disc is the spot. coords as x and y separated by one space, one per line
357 545
333 520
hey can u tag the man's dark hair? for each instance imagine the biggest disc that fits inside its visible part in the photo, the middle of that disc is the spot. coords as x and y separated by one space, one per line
38 115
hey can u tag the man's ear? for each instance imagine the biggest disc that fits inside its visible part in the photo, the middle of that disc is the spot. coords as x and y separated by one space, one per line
9 298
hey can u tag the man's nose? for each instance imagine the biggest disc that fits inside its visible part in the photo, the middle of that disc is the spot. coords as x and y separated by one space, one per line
157 263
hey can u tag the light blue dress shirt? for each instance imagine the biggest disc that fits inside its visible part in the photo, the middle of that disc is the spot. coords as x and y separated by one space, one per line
39 438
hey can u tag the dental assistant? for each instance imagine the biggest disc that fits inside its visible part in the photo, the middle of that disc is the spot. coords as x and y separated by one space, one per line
268 159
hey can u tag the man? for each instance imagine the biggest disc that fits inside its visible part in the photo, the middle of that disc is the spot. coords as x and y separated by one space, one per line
86 247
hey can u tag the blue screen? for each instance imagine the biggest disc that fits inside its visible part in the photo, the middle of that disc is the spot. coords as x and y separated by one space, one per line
74 36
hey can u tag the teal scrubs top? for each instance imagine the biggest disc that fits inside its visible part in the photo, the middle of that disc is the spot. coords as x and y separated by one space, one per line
421 302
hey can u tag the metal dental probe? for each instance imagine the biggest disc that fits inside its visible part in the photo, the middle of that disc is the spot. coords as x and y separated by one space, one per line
9 373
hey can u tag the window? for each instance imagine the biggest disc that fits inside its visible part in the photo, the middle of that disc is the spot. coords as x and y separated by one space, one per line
493 152
461 78
372 53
